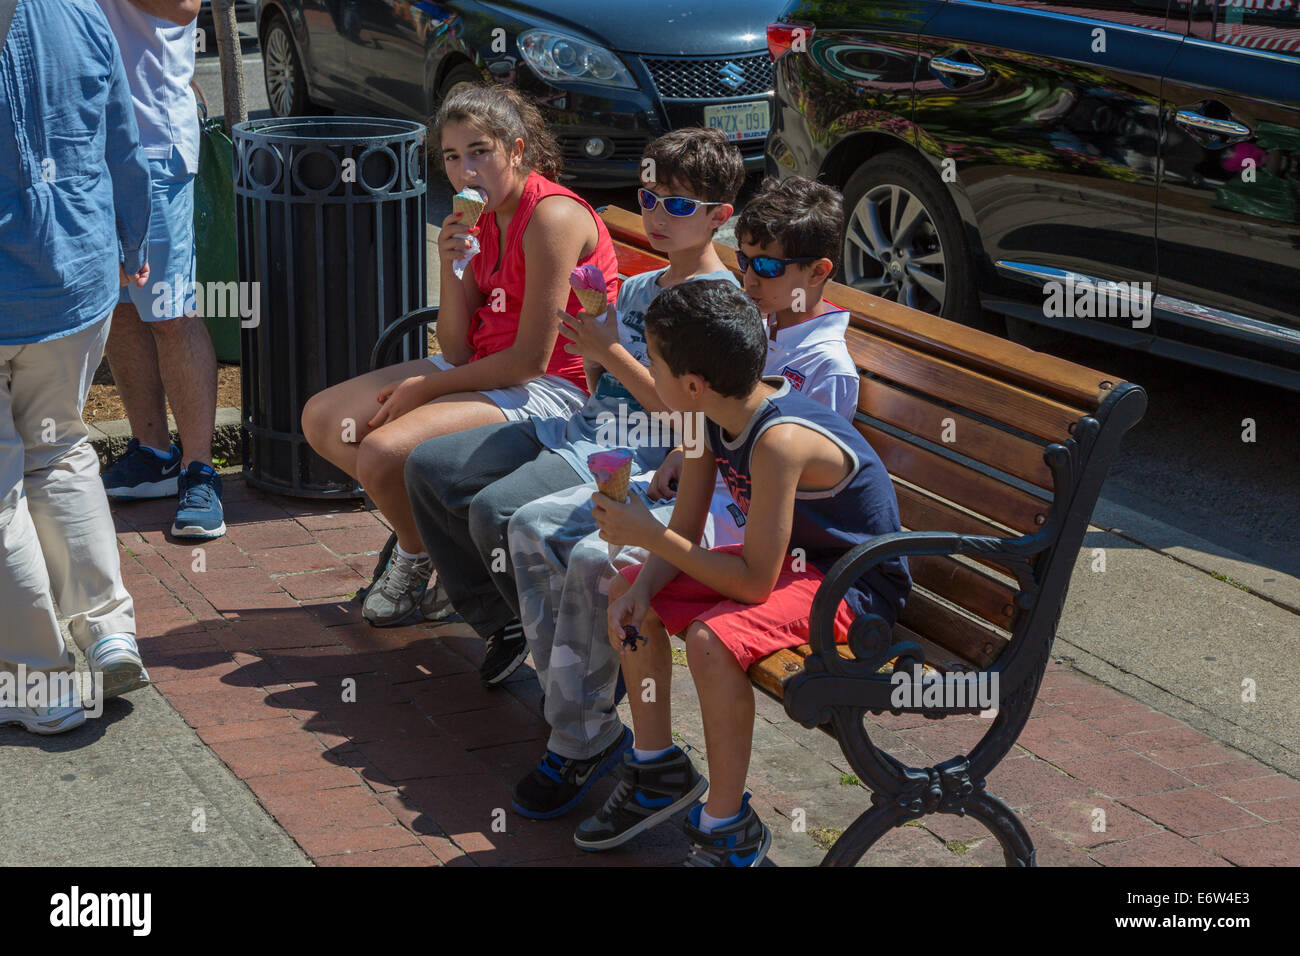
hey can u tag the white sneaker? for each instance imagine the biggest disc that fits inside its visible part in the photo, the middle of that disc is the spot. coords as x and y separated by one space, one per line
117 658
67 714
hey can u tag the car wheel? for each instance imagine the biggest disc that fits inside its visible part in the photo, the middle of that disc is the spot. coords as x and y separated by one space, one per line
904 240
286 81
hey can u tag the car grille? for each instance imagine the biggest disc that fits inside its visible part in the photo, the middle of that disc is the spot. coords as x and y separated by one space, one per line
692 79
627 149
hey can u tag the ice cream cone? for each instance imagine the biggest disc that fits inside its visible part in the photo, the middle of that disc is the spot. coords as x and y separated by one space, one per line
615 486
594 302
469 203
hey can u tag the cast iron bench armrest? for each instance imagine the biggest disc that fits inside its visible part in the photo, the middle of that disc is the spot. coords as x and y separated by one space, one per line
391 336
855 682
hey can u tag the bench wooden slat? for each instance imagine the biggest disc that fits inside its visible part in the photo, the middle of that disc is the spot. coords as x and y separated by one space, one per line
967 638
957 482
922 512
1048 375
633 261
1026 411
977 592
984 443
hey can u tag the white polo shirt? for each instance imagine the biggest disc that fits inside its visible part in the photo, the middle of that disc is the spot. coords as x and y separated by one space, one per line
813 357
159 60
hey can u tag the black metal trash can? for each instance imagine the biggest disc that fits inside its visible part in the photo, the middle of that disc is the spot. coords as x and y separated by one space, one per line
331 222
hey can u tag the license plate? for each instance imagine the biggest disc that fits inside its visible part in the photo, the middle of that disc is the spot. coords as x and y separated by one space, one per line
739 121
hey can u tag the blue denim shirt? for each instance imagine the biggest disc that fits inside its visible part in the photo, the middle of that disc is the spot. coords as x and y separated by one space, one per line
74 183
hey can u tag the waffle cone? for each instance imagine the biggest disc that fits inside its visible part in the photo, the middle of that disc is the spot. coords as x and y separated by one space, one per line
615 486
594 301
470 209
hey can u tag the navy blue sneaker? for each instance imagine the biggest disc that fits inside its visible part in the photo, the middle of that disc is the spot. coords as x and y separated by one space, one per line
558 784
199 513
142 474
647 794
742 842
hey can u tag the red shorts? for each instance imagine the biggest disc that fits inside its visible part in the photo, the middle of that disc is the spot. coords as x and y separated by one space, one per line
750 631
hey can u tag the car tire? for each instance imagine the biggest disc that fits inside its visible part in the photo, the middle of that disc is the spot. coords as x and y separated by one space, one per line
282 72
930 267
459 75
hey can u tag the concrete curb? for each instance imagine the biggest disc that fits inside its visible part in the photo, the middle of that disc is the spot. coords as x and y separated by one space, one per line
109 438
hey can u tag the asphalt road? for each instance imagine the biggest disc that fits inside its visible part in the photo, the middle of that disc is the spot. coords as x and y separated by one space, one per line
1185 464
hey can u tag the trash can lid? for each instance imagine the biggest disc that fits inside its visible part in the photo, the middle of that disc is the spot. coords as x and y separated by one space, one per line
320 129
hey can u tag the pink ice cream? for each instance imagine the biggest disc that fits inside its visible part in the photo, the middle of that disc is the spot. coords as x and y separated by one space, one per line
587 277
605 465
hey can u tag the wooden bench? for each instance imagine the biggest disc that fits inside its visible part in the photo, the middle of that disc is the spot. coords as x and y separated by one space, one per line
997 454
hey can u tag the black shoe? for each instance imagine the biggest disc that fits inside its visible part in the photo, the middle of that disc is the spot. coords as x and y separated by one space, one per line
647 794
506 650
742 843
558 784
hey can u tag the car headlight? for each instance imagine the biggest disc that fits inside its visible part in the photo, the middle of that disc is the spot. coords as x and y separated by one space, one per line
556 57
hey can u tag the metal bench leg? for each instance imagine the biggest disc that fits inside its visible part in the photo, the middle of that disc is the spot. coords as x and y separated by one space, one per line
864 832
1017 847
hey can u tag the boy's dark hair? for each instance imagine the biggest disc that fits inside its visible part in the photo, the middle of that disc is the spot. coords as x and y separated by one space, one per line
710 328
805 217
504 114
697 159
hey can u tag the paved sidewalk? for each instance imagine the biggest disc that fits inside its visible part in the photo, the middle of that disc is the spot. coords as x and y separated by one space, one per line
378 746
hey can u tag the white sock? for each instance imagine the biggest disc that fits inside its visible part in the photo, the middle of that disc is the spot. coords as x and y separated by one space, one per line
708 824
412 557
641 756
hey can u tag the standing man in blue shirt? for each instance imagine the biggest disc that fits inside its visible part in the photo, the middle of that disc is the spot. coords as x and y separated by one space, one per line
158 344
74 217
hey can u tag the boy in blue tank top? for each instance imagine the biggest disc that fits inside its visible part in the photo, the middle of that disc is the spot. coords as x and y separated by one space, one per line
811 488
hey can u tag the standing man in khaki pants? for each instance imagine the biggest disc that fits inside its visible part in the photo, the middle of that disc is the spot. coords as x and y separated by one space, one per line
159 345
74 219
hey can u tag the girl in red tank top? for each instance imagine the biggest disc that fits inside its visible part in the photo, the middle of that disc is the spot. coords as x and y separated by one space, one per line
501 357
492 329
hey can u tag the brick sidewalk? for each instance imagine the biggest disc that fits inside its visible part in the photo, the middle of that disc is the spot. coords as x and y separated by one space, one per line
255 642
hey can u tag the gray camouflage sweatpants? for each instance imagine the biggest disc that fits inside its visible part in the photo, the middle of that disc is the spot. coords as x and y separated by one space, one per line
563 572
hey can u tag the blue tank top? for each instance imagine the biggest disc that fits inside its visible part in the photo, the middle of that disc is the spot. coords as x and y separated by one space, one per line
826 523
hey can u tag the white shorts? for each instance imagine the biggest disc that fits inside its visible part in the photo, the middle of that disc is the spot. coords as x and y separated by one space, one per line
547 396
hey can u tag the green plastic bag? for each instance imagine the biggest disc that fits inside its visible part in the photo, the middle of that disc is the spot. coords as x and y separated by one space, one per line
214 226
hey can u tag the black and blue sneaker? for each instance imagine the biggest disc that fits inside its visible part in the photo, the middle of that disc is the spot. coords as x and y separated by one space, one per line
558 784
647 794
199 513
743 842
142 473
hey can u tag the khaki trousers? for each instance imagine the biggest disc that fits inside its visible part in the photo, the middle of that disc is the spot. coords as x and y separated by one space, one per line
57 542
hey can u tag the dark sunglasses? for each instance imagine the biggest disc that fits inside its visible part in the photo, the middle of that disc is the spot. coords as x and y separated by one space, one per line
768 267
678 206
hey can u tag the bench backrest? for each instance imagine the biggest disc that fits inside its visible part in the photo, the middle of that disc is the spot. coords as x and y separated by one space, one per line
961 419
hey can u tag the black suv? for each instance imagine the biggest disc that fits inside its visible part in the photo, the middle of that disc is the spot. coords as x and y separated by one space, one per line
1124 169
610 75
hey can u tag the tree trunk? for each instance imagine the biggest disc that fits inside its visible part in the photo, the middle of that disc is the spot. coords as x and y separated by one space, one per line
232 62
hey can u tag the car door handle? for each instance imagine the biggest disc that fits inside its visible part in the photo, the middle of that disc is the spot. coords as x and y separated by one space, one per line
1208 124
969 71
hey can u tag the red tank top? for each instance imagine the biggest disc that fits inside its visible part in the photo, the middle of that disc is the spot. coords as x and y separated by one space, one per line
491 331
